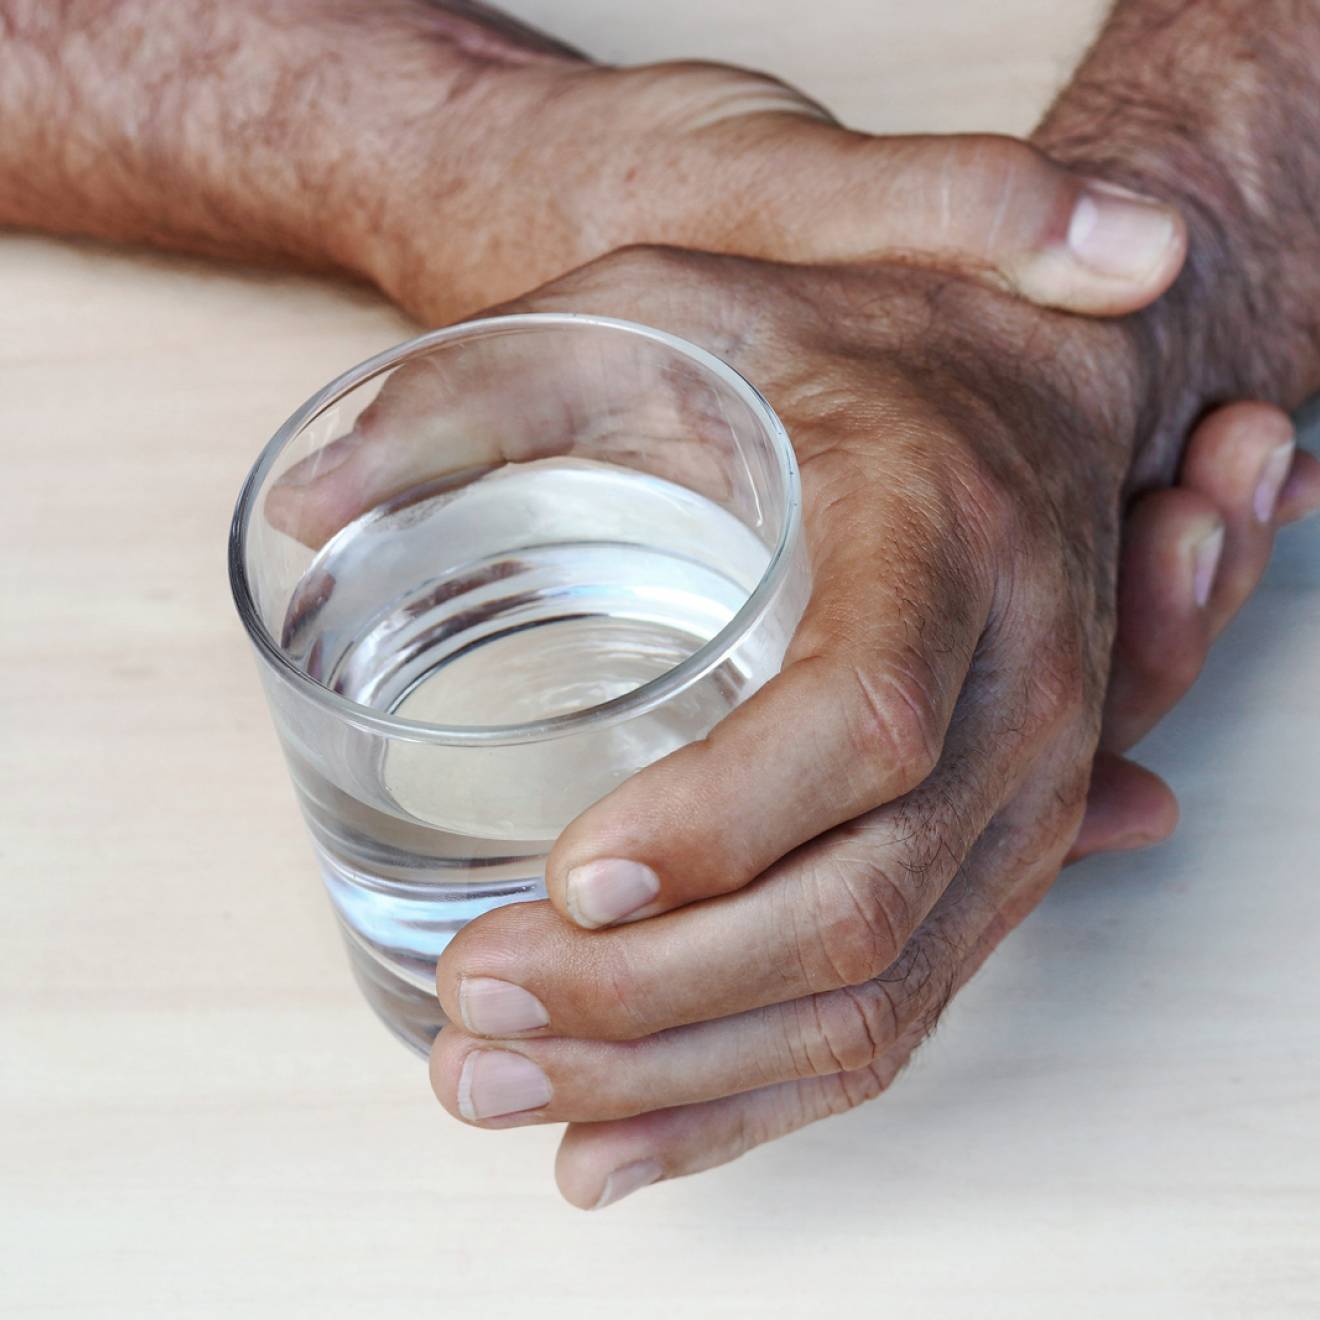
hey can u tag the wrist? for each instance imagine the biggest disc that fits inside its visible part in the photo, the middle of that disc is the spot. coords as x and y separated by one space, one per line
1212 108
1205 339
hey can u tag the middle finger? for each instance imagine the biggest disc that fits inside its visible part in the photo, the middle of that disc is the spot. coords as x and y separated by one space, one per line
509 1083
833 914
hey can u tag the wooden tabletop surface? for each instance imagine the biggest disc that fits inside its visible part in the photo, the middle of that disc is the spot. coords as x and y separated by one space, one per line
199 1118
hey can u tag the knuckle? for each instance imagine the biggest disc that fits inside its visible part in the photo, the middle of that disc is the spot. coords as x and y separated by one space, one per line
894 723
856 928
848 1029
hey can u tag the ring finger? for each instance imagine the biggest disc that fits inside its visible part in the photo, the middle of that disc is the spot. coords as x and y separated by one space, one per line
834 913
599 1162
555 1079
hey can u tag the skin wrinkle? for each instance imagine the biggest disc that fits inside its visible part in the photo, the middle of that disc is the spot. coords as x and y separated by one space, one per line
822 932
1006 198
243 131
824 1036
867 1083
862 1001
621 985
797 1031
772 96
1042 410
901 726
1245 171
884 912
788 917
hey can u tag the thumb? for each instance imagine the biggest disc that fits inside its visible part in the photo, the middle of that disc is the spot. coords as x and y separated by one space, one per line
986 205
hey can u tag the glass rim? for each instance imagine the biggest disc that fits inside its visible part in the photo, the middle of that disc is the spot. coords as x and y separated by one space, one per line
637 701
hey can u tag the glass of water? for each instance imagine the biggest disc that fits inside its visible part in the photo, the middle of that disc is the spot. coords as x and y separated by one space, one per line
488 575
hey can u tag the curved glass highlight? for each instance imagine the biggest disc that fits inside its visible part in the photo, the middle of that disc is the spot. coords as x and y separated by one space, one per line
488 575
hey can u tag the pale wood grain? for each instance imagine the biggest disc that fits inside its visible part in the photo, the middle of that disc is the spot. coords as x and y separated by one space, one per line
197 1116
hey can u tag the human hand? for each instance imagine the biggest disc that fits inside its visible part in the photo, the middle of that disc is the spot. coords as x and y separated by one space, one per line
454 157
720 159
775 960
421 428
1240 480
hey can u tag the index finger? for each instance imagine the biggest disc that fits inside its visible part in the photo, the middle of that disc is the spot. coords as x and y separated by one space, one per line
480 401
856 719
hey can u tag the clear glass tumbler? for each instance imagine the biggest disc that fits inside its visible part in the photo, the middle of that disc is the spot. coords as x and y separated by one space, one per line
488 575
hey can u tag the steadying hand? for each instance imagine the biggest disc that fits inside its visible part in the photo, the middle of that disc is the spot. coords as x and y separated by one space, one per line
833 862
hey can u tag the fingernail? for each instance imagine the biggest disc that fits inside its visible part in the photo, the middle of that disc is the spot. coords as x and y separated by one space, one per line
1272 476
605 891
497 1082
1205 560
1120 233
498 1008
623 1182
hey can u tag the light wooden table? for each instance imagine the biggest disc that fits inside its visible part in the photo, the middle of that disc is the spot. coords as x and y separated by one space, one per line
198 1118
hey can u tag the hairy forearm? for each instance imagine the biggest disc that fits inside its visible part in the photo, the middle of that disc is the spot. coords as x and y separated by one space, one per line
291 131
443 151
1214 105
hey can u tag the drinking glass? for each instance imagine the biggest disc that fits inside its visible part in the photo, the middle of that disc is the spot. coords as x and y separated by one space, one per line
488 575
